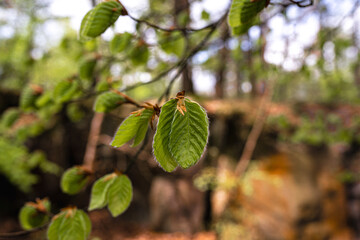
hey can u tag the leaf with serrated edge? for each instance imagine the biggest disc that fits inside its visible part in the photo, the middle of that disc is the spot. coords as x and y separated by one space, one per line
244 11
75 226
54 228
73 180
97 20
162 137
189 134
100 190
129 128
120 195
108 101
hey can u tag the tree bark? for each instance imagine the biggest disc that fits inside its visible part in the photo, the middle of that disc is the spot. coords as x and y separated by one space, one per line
181 6
223 57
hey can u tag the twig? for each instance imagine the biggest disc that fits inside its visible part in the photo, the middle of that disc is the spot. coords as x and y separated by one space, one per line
256 130
93 138
21 234
173 29
182 63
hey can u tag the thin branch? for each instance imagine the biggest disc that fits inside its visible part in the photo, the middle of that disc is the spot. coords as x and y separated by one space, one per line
182 63
90 153
21 234
173 29
301 3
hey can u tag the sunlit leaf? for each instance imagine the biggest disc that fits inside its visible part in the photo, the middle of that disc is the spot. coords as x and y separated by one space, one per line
108 101
133 126
120 195
244 12
69 224
97 20
99 191
189 134
162 137
74 180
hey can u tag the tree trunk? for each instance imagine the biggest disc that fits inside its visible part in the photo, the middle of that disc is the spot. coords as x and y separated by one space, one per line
181 6
223 57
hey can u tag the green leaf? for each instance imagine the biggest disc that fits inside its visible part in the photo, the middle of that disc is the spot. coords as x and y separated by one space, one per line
97 20
172 43
189 134
139 55
99 191
86 69
9 117
108 101
244 11
44 99
162 137
70 224
27 98
53 232
74 180
120 42
65 91
133 126
30 217
205 15
120 195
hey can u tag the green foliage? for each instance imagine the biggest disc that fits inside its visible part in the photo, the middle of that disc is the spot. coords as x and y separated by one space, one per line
9 117
16 164
97 20
87 67
34 215
28 98
108 101
139 55
69 224
172 43
162 137
114 190
181 135
74 180
135 126
244 12
120 42
65 90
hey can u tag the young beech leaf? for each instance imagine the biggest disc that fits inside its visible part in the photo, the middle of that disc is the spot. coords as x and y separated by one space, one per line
69 224
162 137
172 43
189 134
102 16
139 55
28 98
99 192
120 42
244 11
120 195
34 215
9 117
74 180
65 90
108 101
133 126
86 68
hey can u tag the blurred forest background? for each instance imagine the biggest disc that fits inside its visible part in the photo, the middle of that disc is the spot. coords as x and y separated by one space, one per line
283 93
